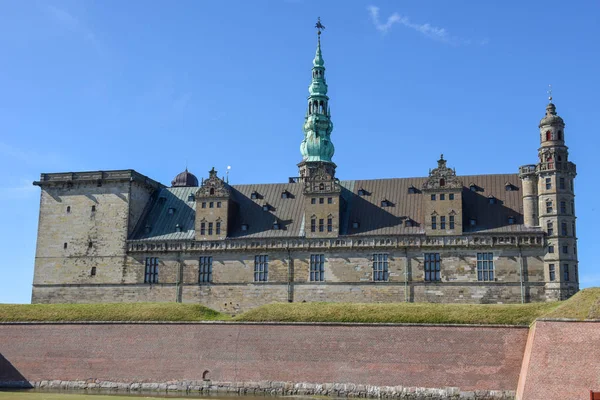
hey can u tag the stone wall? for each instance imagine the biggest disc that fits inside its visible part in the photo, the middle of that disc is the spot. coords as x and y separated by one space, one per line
465 358
348 277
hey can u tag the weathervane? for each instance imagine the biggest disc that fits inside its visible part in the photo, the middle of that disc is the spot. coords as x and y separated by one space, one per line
549 93
320 27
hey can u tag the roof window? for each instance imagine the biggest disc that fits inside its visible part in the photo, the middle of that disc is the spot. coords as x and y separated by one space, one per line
276 226
171 210
355 225
386 203
492 200
266 207
285 194
244 227
178 228
511 220
362 192
473 221
191 198
510 187
254 195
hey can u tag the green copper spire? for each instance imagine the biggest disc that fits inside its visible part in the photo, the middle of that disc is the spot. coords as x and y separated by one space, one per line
317 145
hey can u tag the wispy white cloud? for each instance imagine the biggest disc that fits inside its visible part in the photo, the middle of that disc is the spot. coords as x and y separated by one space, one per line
426 29
70 22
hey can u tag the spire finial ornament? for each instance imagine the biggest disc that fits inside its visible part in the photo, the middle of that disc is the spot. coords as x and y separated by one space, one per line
320 27
549 91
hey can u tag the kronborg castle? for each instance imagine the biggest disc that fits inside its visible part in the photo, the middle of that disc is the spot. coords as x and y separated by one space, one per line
119 236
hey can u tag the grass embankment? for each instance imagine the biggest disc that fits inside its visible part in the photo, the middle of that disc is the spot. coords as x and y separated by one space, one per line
415 313
584 305
108 312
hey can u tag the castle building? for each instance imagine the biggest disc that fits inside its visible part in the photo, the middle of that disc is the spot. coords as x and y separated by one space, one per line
119 236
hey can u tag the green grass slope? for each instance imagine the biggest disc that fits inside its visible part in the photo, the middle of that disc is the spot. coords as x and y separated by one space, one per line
416 313
585 304
108 312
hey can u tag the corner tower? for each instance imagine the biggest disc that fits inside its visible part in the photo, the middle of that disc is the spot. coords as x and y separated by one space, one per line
317 148
549 202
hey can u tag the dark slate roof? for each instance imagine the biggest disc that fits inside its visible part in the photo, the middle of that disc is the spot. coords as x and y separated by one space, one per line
367 210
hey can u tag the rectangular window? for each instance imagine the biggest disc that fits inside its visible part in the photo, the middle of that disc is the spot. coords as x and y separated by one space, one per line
203 204
573 228
210 228
551 249
432 267
202 228
313 225
548 183
552 272
442 196
151 275
548 207
321 225
562 183
433 222
550 228
573 208
380 267
313 201
317 267
563 229
565 249
566 272
261 268
433 197
563 207
330 200
218 204
205 269
211 204
218 228
451 196
452 222
321 200
329 224
443 222
485 266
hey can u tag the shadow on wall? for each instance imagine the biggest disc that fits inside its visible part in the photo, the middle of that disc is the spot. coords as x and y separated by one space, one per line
10 376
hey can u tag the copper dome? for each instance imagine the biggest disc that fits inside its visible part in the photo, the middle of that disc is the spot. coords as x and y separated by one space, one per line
185 179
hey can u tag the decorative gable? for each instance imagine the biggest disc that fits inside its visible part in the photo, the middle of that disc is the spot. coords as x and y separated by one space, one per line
442 177
213 187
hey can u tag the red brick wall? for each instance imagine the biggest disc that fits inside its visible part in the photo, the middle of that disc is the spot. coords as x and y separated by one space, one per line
472 358
563 363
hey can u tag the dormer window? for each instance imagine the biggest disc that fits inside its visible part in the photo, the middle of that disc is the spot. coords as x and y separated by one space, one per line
276 226
285 194
355 225
492 200
362 192
254 195
191 198
171 210
473 187
408 223
511 220
266 207
177 228
509 187
386 203
412 190
244 227
147 228
473 221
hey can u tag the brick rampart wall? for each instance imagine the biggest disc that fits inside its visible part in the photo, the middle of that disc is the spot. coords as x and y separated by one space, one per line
471 358
562 361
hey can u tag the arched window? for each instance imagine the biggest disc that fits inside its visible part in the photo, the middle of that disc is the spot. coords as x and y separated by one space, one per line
322 186
212 191
548 135
442 182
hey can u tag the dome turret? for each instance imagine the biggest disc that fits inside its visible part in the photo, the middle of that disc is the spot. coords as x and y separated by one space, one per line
185 179
551 118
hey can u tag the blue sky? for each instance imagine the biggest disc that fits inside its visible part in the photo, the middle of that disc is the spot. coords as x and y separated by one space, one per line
153 85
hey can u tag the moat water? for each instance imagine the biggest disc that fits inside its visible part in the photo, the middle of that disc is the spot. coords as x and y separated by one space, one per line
77 395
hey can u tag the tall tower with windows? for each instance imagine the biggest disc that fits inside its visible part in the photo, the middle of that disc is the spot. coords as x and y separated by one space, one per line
549 202
317 171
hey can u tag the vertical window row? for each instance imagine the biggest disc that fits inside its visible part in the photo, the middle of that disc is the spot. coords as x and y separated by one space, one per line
317 267
151 274
485 267
205 269
261 268
432 267
380 267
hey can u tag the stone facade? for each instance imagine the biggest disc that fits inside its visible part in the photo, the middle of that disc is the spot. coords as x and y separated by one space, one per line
119 236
